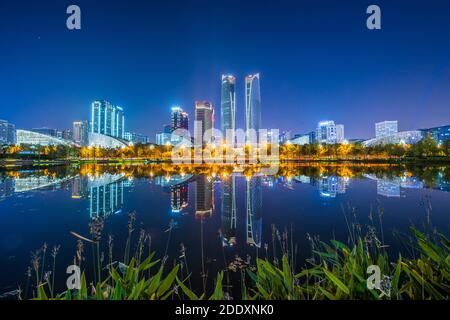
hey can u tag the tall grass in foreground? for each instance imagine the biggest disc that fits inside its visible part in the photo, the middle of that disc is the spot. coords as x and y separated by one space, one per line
335 271
340 272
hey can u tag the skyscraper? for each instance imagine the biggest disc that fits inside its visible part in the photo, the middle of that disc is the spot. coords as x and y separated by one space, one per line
326 132
330 133
67 134
204 120
252 104
107 119
7 132
340 135
178 119
81 132
385 128
228 104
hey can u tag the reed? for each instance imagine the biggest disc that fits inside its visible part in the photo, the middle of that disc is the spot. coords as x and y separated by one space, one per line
335 271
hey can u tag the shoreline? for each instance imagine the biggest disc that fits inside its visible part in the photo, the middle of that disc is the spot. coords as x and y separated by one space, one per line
19 163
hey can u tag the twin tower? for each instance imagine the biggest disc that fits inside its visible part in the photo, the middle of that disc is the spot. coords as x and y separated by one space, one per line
252 103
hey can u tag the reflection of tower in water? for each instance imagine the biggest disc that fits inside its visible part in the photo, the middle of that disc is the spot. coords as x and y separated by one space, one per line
106 196
179 197
6 188
254 211
204 197
228 209
80 188
331 186
204 206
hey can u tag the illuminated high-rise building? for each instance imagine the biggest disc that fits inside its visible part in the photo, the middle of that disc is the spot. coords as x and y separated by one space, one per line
228 104
178 119
204 120
330 133
385 129
7 132
107 119
67 134
340 133
252 104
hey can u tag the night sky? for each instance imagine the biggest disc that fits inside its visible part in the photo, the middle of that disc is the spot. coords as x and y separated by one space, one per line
317 61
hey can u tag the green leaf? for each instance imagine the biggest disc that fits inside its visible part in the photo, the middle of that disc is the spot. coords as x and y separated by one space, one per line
155 282
117 292
336 281
82 293
431 250
263 292
444 241
98 292
288 279
218 291
137 290
396 278
339 245
148 263
41 293
326 293
167 282
191 295
68 295
130 275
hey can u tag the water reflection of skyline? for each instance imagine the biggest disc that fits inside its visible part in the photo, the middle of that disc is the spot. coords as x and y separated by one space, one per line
105 191
392 187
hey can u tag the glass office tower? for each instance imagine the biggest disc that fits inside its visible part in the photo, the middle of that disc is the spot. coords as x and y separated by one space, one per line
107 119
81 133
228 104
178 119
204 120
7 132
252 103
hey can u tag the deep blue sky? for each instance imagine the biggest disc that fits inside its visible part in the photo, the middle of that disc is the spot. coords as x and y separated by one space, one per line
316 58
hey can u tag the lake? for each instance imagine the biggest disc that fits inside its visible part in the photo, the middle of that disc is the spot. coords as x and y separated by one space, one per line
209 217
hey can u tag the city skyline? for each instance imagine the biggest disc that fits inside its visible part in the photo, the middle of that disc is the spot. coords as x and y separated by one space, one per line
315 65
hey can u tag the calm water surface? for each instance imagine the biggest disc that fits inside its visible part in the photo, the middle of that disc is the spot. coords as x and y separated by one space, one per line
215 213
